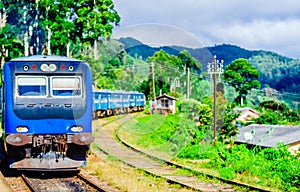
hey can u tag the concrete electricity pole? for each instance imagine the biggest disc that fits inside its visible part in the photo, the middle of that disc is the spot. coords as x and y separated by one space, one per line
214 68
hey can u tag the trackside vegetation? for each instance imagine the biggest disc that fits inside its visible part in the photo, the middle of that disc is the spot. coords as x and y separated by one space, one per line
187 139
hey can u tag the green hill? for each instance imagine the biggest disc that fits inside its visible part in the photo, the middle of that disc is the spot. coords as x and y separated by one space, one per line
277 71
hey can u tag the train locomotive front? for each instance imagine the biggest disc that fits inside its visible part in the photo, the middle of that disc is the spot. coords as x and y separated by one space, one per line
47 113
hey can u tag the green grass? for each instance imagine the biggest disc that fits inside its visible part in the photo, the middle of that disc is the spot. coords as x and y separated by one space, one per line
275 169
154 132
144 125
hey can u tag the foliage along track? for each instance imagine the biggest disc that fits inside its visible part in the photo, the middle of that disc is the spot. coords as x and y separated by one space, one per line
175 164
108 142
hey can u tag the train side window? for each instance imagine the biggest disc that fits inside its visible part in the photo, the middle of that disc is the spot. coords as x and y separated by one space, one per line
103 99
126 98
114 98
66 86
31 86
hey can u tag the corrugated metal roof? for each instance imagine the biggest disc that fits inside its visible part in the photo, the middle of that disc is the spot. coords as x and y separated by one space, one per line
268 135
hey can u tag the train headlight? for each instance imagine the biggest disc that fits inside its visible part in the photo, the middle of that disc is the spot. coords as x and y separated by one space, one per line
22 129
17 139
76 129
52 67
44 67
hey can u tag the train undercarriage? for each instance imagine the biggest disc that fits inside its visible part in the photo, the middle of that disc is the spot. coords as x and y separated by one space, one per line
118 111
48 152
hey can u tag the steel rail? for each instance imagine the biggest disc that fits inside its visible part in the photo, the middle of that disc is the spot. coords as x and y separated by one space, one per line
174 164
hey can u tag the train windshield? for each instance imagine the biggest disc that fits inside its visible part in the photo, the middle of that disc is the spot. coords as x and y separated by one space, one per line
38 86
31 86
66 86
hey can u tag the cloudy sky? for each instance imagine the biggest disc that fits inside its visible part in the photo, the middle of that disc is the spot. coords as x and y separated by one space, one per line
272 25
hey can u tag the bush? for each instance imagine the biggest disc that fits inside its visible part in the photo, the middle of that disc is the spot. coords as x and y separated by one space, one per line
203 151
274 167
283 165
275 113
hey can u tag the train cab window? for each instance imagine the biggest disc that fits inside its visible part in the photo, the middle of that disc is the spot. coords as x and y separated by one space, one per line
66 86
31 86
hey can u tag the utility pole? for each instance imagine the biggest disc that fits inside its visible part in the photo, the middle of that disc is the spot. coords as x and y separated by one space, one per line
153 82
188 84
215 68
215 100
26 46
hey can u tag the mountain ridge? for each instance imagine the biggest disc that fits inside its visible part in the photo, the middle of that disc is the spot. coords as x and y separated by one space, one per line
277 71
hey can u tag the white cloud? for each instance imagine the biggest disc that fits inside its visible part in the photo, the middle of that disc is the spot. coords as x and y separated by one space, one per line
273 35
254 24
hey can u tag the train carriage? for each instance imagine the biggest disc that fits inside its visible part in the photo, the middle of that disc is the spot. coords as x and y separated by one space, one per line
137 101
47 112
101 104
107 102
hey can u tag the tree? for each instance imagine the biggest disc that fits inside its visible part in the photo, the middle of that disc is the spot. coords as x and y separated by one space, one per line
275 112
23 18
63 22
165 71
243 77
95 19
9 46
195 112
228 129
57 21
68 21
220 110
188 60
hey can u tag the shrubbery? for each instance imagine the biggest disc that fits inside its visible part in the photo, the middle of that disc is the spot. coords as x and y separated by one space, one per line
274 167
273 112
190 137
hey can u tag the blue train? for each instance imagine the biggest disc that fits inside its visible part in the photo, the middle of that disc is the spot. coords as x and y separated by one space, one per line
107 102
47 112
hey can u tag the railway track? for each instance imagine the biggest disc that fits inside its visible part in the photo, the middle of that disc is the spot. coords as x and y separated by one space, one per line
53 182
109 142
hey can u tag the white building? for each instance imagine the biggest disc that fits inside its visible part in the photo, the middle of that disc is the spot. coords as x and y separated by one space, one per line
165 104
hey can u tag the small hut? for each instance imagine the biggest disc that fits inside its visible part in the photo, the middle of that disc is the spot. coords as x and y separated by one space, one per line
165 104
